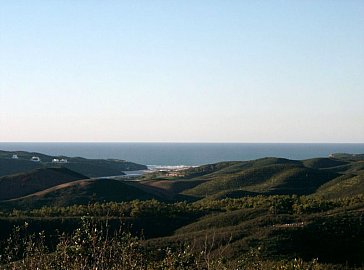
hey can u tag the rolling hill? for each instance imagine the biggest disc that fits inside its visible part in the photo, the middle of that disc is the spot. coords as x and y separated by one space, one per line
271 179
267 209
87 167
266 176
328 177
81 192
345 186
262 176
18 185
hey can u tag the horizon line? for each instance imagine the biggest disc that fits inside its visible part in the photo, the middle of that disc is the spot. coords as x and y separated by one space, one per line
181 142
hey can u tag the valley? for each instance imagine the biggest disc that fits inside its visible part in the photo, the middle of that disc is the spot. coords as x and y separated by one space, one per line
274 210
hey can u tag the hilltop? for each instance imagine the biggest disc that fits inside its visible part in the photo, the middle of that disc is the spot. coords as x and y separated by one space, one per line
328 177
331 177
87 167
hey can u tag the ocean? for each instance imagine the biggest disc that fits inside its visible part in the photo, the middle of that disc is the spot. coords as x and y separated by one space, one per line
174 154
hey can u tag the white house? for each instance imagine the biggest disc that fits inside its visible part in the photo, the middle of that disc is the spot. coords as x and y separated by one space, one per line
63 160
14 156
55 160
35 159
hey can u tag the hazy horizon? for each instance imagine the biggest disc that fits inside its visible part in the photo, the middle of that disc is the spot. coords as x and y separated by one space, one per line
183 71
192 154
171 142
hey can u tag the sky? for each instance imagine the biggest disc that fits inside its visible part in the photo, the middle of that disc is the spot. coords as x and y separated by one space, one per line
182 71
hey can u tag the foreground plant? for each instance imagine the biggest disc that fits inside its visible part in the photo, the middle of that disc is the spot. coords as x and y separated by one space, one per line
94 246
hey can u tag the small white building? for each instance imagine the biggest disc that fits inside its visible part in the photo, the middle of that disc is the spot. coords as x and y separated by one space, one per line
14 156
55 160
35 159
63 160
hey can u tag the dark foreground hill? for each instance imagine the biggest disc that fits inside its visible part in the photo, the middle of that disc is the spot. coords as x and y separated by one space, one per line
18 185
81 192
262 232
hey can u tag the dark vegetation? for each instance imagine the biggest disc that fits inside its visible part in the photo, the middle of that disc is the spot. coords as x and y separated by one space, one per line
80 192
269 213
18 185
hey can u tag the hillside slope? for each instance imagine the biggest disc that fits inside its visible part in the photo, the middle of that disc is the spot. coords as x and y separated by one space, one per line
81 192
328 177
335 237
88 167
22 184
265 179
345 186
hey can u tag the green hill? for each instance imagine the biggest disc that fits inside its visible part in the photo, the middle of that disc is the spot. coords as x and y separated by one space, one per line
262 176
288 178
232 167
322 163
348 157
208 169
345 186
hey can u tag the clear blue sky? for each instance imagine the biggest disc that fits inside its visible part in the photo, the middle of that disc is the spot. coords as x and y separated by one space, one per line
182 71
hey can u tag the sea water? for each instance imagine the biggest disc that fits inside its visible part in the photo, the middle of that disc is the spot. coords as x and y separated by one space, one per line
190 154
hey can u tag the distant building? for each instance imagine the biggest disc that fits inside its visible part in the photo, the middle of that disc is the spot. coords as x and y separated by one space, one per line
35 159
55 160
63 160
14 156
